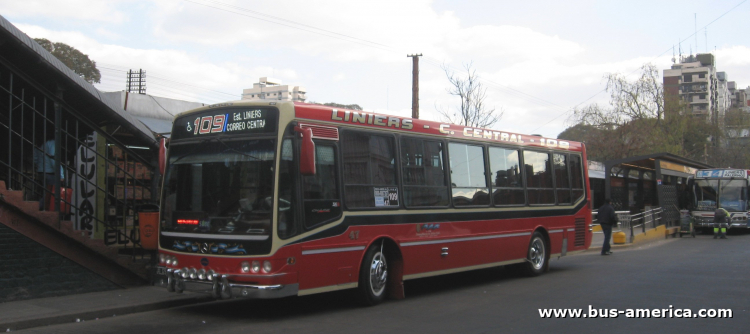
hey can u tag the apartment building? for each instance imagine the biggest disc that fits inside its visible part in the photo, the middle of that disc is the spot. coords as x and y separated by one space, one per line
694 81
271 89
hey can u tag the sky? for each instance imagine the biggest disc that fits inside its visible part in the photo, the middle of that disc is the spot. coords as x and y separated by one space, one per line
537 59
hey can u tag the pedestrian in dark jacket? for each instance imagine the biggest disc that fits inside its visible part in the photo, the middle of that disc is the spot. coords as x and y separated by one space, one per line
607 219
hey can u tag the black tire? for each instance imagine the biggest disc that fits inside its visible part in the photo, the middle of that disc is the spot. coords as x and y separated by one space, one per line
373 276
537 256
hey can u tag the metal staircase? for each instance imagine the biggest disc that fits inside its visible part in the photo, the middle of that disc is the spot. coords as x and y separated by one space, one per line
46 228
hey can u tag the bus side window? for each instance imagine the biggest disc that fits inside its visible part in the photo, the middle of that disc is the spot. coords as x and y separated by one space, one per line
539 185
562 177
505 173
423 173
369 170
468 179
322 201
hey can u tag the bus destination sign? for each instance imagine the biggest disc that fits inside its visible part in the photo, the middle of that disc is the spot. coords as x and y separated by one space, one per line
235 120
722 173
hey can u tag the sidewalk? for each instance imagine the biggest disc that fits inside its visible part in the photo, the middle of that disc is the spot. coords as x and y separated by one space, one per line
39 312
597 239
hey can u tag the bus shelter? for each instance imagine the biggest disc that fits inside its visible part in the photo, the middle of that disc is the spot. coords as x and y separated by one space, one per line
640 183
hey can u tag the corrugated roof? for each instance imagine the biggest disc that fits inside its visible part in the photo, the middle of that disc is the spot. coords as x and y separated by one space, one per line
141 130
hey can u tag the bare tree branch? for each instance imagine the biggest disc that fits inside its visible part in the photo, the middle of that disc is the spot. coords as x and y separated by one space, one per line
473 111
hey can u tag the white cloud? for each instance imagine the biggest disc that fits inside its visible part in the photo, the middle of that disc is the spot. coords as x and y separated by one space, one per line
174 73
101 11
366 61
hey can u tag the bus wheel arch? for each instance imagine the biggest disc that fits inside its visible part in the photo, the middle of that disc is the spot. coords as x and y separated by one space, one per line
371 270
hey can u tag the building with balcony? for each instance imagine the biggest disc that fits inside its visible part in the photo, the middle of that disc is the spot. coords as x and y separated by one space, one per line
695 83
739 98
271 89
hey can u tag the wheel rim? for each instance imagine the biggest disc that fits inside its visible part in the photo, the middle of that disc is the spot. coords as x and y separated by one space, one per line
378 274
536 253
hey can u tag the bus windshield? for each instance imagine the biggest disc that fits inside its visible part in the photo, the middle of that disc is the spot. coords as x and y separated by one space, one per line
731 195
220 187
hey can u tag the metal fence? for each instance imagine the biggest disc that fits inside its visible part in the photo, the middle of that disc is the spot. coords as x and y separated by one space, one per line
639 222
645 220
51 150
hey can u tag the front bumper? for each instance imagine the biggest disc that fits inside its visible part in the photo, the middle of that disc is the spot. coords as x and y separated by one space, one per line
219 287
739 224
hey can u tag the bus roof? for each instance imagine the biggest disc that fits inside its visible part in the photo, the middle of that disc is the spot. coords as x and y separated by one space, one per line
401 124
326 114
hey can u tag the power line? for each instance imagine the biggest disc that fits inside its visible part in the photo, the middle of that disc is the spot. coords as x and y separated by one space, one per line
315 30
502 88
158 78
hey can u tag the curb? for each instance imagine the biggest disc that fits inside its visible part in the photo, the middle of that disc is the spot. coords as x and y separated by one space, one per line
644 238
98 314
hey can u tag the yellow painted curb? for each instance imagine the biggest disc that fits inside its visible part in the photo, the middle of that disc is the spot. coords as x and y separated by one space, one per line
657 233
596 228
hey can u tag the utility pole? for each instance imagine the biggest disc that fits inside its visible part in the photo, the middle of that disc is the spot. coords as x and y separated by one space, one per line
136 82
415 85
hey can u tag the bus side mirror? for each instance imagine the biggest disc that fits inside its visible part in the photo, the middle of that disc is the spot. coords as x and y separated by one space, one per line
307 151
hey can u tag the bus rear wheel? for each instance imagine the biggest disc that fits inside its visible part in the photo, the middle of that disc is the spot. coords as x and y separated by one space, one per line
373 276
537 256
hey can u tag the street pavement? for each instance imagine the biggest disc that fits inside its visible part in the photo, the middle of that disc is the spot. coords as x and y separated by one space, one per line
679 273
89 306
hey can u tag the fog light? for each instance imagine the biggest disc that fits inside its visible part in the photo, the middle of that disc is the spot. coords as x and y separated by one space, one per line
193 273
245 267
267 266
256 266
174 261
184 273
202 274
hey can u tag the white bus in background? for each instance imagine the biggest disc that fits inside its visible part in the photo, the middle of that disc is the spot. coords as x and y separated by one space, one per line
727 188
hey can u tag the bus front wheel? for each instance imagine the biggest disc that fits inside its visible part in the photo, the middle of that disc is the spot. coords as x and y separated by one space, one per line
536 256
373 276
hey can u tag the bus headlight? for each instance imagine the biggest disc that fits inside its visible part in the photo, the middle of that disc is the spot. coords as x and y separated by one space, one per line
210 274
256 266
184 272
267 266
162 258
245 267
193 273
174 261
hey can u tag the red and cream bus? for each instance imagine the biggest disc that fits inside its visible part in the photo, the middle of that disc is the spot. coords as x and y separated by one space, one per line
275 199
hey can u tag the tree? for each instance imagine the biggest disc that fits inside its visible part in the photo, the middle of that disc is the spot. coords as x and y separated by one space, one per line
73 59
473 111
637 122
